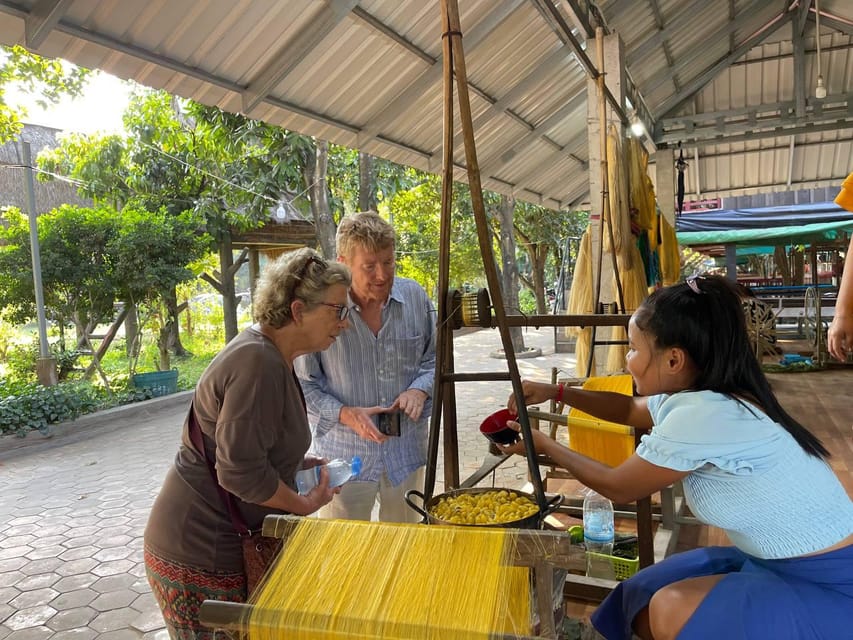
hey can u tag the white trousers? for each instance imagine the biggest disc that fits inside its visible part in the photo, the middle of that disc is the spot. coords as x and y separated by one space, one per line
357 499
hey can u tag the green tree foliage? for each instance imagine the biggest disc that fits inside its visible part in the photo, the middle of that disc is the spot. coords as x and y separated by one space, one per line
48 79
416 213
541 234
76 269
150 252
90 258
259 164
388 178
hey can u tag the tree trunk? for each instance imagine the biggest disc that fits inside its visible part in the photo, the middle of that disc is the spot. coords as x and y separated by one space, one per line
366 182
131 328
101 351
226 281
509 268
163 348
173 342
324 224
538 256
782 264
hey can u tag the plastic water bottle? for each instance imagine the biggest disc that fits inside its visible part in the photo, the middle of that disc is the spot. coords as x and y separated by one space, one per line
598 534
340 471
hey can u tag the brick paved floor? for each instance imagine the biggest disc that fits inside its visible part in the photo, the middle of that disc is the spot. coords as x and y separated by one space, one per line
73 508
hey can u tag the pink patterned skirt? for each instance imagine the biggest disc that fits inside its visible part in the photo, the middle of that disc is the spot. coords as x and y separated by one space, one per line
180 590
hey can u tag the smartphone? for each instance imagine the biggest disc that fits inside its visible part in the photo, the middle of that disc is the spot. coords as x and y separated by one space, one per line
389 423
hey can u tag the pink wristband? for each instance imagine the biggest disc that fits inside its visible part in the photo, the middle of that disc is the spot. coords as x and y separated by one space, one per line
560 392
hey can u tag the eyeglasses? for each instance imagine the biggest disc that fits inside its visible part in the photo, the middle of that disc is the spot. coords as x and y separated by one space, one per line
343 310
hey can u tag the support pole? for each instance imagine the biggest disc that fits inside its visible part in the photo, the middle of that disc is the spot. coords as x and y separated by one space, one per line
444 333
452 31
46 365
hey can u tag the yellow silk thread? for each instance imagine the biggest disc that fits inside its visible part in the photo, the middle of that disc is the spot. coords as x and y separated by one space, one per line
349 579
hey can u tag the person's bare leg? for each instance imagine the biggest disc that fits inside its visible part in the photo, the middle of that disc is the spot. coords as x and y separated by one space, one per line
671 607
640 625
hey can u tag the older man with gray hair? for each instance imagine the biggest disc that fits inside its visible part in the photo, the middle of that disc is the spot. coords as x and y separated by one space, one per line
368 395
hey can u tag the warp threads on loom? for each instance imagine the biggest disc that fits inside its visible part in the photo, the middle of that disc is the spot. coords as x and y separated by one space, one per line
352 579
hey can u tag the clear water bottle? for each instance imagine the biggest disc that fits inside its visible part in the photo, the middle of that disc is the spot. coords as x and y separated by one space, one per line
598 534
340 471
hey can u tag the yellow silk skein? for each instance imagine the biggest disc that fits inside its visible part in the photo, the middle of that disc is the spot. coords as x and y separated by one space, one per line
352 579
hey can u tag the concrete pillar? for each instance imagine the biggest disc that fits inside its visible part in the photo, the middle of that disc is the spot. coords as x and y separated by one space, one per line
664 160
46 371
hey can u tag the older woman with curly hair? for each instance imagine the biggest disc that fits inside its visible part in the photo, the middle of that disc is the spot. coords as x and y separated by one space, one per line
249 413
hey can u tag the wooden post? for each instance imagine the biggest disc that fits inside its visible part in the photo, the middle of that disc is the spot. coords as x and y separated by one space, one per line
452 33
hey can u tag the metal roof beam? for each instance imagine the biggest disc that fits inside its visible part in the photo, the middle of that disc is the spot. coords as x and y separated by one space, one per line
113 44
802 15
44 16
558 24
699 82
287 59
770 108
549 160
665 44
684 19
833 22
580 16
798 24
501 105
779 131
584 18
752 20
503 156
388 32
413 93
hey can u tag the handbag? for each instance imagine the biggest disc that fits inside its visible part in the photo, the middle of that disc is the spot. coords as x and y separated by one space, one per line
259 551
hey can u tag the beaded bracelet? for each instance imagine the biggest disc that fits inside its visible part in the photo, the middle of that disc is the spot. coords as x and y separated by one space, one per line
560 389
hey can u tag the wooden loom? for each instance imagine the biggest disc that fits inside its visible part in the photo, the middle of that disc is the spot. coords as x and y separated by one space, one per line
542 551
444 403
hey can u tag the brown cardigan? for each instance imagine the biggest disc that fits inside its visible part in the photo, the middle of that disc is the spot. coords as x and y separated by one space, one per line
249 407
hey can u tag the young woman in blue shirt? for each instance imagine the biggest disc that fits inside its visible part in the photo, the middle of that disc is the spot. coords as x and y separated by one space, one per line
746 465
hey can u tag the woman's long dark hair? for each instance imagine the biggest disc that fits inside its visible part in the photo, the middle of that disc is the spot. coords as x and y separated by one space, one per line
704 317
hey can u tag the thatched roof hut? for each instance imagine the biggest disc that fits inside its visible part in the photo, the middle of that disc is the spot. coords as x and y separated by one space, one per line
49 195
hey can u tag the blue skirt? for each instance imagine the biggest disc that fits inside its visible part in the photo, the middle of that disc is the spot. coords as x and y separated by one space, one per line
791 599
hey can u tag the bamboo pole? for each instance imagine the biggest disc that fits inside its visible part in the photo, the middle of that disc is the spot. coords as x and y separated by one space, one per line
453 29
444 335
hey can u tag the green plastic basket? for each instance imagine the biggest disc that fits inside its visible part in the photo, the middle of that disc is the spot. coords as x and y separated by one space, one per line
622 567
160 383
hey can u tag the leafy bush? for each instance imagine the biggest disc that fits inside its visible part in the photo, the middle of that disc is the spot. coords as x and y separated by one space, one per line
26 406
32 406
526 301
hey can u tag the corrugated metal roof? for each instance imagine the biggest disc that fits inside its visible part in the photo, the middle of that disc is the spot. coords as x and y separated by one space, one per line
729 80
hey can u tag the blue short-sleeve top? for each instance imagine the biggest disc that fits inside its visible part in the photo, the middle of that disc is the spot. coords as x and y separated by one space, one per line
748 475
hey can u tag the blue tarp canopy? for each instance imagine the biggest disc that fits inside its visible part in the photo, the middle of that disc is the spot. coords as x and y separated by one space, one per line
791 224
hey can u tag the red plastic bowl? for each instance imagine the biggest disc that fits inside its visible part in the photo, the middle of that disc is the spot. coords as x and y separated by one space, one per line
495 429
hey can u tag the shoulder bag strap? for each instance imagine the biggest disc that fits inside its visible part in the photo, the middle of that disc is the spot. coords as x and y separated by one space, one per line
197 439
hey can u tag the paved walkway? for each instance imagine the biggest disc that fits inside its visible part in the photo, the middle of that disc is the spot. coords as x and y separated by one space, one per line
73 507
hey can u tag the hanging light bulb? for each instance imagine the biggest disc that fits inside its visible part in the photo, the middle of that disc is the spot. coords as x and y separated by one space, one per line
280 213
820 90
637 126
